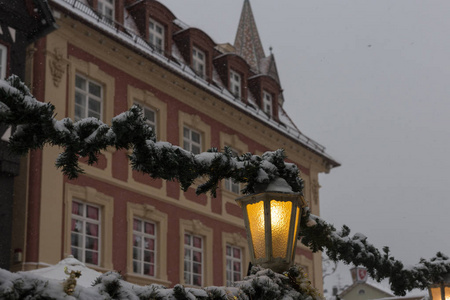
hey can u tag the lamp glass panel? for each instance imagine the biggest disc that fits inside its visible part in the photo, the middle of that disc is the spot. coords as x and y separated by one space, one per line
436 293
294 242
255 213
280 217
447 293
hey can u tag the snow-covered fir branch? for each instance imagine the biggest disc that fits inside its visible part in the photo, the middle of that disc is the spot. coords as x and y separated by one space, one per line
340 246
37 126
262 284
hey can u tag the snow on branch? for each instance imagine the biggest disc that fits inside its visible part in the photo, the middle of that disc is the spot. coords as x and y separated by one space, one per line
262 284
339 246
36 126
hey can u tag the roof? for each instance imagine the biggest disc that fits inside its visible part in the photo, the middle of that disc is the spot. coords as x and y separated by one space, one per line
247 42
33 18
355 285
177 65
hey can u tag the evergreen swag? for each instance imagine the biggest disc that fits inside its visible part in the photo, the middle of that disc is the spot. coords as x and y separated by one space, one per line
262 284
36 126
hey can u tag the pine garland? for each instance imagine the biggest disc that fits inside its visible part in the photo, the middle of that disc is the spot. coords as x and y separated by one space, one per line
339 246
262 284
36 126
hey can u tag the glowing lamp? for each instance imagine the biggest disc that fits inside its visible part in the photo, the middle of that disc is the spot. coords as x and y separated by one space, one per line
272 220
440 291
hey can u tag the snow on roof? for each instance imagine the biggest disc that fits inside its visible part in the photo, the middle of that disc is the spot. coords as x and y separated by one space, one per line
86 279
138 43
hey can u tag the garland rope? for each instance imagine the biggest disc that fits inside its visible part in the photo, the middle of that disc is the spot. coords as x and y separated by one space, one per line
36 126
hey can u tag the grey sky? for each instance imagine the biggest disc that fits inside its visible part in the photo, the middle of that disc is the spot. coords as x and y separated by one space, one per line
370 81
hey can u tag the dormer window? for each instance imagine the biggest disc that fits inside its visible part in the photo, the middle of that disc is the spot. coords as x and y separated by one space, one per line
156 35
198 62
267 103
235 84
106 9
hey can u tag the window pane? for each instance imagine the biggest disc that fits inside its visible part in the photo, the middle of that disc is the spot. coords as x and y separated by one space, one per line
94 105
80 82
79 113
149 244
149 228
137 240
77 208
91 257
149 270
197 256
91 243
195 149
92 212
78 226
95 89
197 280
76 253
187 277
237 253
197 268
136 225
136 253
92 229
93 114
76 240
186 132
197 242
149 115
80 99
136 267
237 266
195 137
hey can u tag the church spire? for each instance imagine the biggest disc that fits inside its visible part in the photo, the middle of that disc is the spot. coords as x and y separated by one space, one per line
247 42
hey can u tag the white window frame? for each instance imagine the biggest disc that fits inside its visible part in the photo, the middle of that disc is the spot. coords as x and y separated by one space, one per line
88 97
230 185
3 61
199 62
235 84
103 6
84 219
189 259
267 103
230 260
188 142
154 36
143 235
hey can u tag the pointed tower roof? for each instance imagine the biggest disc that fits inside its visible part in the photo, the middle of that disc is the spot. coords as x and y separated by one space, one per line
268 66
247 42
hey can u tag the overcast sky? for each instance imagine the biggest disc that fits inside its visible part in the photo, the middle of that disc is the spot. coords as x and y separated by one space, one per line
369 80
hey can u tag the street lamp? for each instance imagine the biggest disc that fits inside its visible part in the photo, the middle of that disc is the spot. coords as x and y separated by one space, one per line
272 220
440 291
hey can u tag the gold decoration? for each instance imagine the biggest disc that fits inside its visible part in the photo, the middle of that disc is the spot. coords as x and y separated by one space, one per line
71 282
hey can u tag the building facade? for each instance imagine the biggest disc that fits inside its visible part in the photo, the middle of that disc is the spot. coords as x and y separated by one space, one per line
108 55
